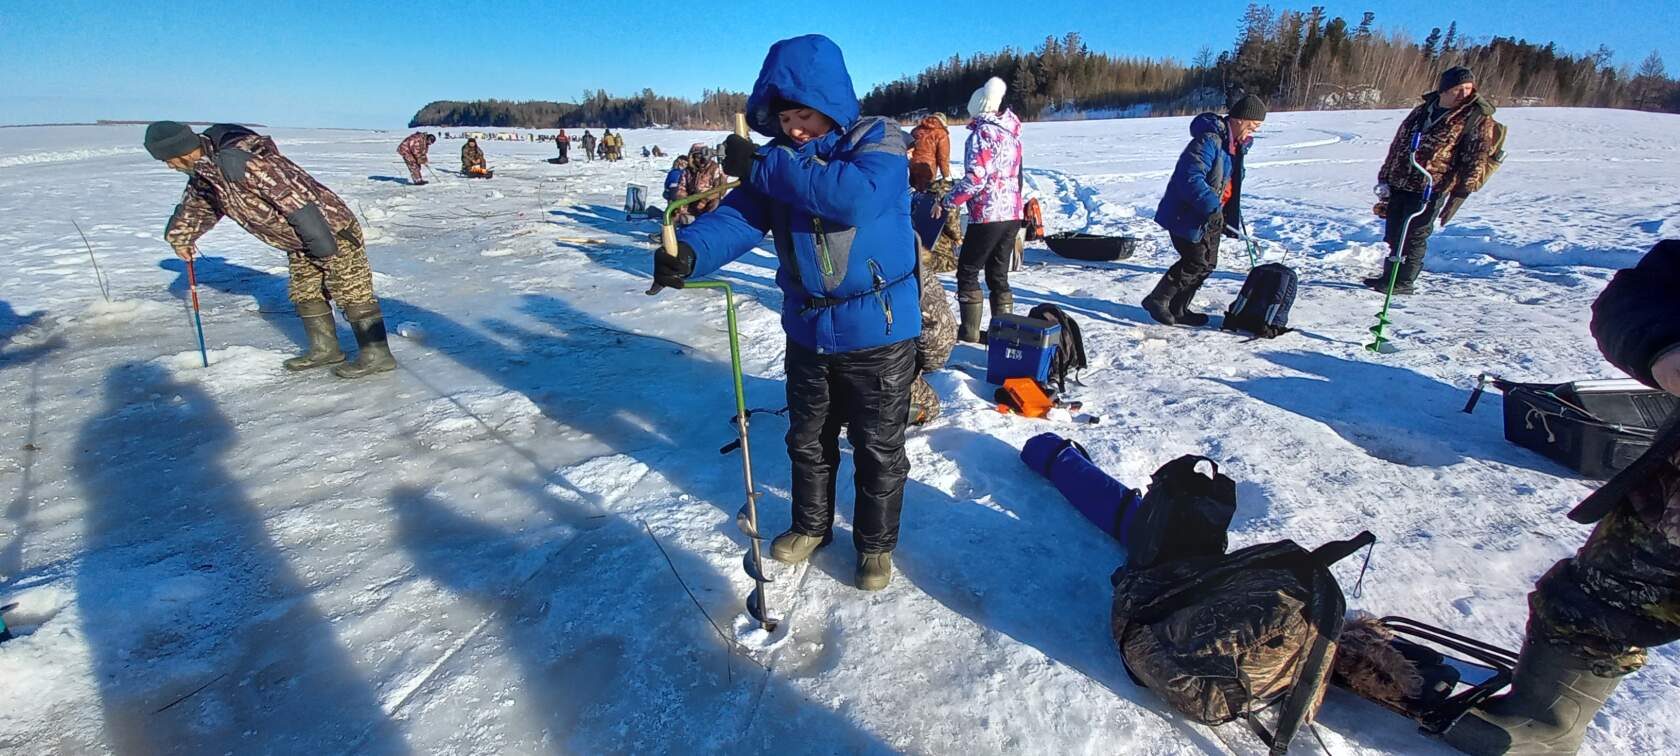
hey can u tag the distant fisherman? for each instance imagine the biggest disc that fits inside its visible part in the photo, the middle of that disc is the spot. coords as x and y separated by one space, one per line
236 172
413 153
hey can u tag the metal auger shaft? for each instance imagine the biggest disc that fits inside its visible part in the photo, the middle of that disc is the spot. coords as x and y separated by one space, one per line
747 518
1394 257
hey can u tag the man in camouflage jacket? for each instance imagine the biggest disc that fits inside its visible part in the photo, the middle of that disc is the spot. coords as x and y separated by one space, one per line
1455 131
939 337
235 172
589 145
703 174
413 153
1592 616
472 156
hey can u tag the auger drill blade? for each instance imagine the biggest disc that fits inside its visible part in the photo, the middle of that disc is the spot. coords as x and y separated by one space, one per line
743 520
753 568
755 607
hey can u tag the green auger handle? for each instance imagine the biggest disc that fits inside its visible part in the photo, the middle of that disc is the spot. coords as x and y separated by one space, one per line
668 231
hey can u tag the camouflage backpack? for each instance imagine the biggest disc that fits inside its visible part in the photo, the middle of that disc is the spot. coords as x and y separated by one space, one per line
1495 157
1225 637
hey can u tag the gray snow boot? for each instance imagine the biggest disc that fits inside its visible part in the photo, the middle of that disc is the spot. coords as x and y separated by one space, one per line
1554 695
1159 302
373 355
793 548
323 338
972 310
874 571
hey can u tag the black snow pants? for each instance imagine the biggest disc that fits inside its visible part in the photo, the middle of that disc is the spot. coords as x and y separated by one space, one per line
1196 259
1401 204
987 247
868 392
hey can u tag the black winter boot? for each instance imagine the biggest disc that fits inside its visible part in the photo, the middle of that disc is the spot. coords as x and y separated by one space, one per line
373 355
1554 695
323 337
1159 302
1179 306
971 311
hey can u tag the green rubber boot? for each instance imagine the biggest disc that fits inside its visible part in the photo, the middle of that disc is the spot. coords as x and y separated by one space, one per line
1554 695
323 337
373 355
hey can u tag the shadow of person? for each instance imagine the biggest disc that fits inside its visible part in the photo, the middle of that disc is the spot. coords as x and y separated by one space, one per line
268 290
611 656
204 639
390 179
11 324
1394 414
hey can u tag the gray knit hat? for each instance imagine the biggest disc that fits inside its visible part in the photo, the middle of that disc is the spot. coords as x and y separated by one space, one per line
167 140
1453 77
1249 108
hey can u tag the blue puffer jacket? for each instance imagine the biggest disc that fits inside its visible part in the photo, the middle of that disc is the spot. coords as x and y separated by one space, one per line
1199 179
838 207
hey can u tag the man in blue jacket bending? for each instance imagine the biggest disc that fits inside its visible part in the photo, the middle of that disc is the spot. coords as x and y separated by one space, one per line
1203 202
833 190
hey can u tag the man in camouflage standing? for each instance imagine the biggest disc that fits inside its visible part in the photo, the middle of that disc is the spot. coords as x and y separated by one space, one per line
1454 129
236 172
413 152
939 337
1591 617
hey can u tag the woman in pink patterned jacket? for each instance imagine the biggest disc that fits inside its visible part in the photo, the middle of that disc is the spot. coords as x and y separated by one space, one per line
991 186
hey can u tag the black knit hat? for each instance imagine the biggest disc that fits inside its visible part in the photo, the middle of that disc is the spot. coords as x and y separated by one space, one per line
167 140
1249 108
1453 77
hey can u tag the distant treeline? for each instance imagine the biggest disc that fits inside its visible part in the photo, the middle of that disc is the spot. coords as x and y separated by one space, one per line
1296 60
597 108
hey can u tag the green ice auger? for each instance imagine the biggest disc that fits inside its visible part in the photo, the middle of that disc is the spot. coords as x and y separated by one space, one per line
1378 340
747 518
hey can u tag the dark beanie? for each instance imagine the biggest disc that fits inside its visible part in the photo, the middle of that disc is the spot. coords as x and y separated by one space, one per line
1453 77
1249 108
167 140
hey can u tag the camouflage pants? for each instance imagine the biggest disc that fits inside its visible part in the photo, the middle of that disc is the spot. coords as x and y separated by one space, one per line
1618 595
413 170
939 337
344 278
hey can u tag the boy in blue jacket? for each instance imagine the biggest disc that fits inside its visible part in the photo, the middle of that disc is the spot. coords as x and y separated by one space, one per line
833 190
674 177
1203 203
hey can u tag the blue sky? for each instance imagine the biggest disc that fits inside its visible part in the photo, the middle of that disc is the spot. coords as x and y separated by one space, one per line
367 64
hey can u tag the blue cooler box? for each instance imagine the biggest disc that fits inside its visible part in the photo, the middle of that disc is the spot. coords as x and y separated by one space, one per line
1020 347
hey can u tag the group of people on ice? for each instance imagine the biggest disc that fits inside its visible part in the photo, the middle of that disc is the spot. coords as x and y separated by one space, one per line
830 187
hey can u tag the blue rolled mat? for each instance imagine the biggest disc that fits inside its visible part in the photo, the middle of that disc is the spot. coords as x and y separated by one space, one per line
1103 500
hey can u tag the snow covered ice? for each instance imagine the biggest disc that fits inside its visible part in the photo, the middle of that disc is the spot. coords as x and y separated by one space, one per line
460 557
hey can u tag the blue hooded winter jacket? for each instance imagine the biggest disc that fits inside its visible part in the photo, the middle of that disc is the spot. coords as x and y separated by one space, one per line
1199 180
838 208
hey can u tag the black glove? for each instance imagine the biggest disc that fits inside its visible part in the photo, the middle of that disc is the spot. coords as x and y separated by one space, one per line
673 270
738 154
1451 207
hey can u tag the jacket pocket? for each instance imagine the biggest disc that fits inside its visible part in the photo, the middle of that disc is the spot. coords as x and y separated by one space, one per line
882 297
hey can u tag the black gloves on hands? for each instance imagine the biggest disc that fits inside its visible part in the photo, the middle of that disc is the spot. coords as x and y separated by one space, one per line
673 270
738 154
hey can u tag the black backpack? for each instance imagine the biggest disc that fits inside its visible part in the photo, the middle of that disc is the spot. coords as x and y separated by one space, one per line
1070 350
1262 307
1184 515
